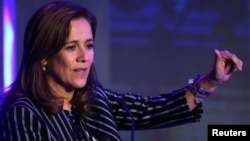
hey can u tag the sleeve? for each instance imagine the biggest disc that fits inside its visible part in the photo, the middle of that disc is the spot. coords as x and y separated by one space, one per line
19 124
164 110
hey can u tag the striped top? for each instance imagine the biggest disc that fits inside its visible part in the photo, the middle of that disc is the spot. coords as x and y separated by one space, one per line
23 120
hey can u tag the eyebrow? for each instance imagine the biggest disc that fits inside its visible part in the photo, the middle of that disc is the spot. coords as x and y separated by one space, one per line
75 41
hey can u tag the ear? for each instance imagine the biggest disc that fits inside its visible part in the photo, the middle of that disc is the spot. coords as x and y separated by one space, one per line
44 62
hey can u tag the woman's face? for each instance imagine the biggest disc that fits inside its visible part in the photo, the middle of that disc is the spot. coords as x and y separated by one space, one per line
69 68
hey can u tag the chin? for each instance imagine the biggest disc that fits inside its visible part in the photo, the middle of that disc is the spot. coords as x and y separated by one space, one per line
78 86
80 83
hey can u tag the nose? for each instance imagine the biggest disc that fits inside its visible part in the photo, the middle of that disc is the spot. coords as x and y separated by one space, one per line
83 55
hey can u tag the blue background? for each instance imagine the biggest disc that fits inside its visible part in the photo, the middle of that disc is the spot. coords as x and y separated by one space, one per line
152 47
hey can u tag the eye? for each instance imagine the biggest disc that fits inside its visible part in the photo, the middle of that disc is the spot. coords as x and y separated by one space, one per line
90 46
72 47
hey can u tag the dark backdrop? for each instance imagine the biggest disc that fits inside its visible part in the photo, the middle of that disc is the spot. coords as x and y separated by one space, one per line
157 45
152 47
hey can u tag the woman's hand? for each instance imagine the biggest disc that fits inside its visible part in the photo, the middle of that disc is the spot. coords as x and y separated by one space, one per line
203 87
224 65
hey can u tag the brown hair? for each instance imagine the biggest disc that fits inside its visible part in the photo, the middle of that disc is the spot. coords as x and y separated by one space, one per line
45 34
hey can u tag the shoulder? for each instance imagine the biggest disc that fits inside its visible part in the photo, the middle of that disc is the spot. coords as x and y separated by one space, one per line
104 93
99 91
19 101
21 104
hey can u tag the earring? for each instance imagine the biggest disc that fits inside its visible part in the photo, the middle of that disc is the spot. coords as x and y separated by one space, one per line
44 68
44 64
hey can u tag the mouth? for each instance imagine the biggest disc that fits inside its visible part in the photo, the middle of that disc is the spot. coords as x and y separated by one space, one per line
80 70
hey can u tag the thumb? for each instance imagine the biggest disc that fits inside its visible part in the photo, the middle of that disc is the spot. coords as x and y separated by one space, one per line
217 53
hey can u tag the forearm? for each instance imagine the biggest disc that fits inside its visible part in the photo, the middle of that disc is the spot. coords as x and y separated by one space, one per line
165 110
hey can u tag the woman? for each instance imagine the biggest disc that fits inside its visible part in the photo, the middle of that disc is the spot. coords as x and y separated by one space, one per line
56 95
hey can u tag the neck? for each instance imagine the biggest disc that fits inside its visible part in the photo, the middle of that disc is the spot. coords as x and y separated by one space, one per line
67 105
67 101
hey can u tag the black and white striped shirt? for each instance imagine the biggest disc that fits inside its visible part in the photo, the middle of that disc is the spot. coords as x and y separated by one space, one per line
23 120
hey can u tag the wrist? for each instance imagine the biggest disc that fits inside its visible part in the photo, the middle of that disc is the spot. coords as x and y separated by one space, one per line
212 81
207 83
201 88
